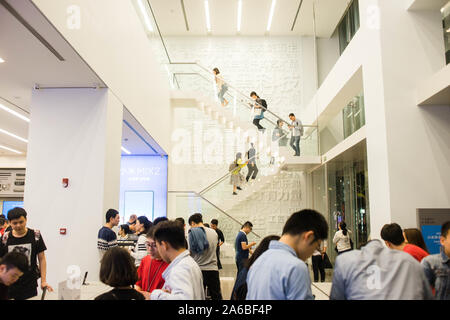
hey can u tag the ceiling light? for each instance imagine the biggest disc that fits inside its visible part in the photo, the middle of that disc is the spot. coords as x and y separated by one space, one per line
208 20
9 149
1 60
125 150
272 10
13 135
18 115
239 16
147 22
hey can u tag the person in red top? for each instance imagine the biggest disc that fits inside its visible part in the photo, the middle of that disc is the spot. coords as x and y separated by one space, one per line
392 234
151 268
3 224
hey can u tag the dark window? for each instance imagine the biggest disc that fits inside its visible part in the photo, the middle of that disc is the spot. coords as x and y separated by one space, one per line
349 25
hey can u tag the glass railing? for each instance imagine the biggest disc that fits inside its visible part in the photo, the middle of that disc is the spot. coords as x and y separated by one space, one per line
184 204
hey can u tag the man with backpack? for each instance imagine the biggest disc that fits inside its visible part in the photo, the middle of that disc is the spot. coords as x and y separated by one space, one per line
29 242
261 107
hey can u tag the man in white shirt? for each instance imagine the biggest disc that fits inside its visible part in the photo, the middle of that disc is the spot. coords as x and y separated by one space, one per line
183 277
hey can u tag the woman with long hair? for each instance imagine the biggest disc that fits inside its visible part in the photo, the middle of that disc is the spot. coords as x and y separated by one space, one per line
222 87
414 236
342 239
140 250
236 177
240 286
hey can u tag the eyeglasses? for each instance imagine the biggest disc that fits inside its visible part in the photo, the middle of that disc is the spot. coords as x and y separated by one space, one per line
150 245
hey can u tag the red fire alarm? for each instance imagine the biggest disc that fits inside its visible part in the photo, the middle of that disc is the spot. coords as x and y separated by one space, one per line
65 182
63 231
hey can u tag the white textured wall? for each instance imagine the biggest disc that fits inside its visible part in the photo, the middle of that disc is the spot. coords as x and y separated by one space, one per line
271 66
269 208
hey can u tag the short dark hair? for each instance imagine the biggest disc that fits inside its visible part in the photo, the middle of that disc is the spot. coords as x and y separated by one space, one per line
216 70
196 218
291 115
215 221
125 228
117 268
16 213
247 224
170 232
111 213
2 221
445 228
304 221
392 233
158 220
180 220
151 232
15 260
253 93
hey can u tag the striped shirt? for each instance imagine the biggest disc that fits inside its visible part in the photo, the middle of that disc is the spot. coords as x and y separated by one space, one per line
106 239
140 250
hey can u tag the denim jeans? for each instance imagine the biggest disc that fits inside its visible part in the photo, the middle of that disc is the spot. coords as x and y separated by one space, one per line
222 92
295 144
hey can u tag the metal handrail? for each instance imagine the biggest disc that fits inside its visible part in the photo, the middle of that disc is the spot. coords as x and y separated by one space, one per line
212 204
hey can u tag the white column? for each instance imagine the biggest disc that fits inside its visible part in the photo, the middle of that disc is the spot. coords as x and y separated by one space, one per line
407 146
74 134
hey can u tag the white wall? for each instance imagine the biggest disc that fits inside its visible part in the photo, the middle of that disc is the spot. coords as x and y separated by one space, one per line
112 41
327 55
271 66
74 134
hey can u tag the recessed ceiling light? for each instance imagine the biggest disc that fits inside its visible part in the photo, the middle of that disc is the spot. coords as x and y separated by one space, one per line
10 149
125 150
18 115
1 60
239 16
208 20
272 10
147 22
13 135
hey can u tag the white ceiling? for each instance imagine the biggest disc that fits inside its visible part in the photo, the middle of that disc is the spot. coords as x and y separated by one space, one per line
255 15
29 62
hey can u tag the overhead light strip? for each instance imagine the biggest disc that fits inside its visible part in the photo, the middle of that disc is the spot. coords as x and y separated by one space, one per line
18 115
125 150
208 20
10 149
1 60
13 135
272 10
239 16
144 12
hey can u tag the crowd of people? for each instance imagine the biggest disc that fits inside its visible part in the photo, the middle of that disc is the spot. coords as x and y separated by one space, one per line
172 262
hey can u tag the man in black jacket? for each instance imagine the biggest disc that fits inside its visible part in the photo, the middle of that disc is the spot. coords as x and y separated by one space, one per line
260 105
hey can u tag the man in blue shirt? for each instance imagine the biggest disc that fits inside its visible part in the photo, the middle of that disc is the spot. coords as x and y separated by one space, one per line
242 247
280 273
437 266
